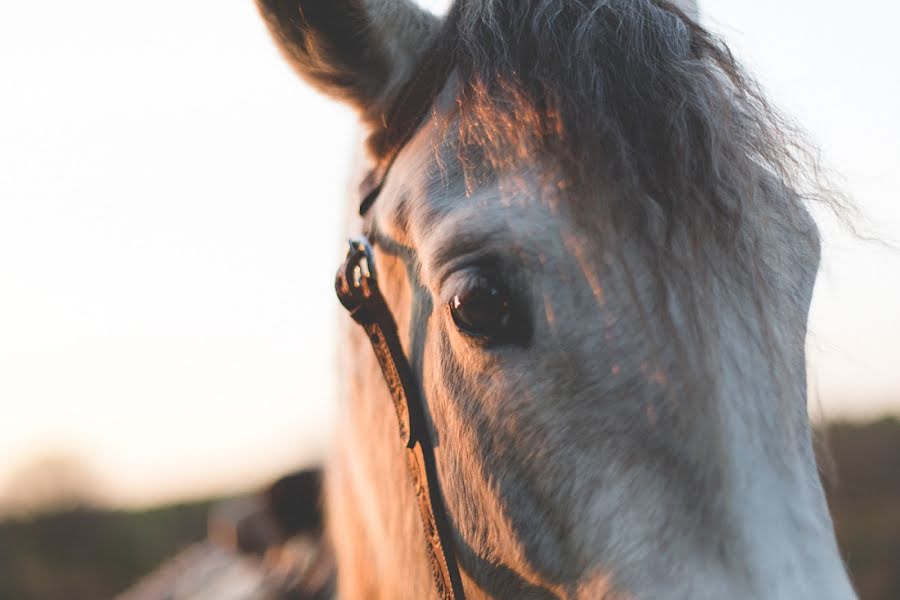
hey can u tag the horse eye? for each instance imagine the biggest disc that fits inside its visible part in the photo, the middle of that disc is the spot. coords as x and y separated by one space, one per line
488 312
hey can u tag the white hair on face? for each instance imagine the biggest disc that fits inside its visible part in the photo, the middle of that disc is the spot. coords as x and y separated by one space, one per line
611 169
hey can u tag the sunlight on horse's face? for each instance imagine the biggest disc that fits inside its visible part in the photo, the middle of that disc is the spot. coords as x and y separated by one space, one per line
567 446
554 437
597 436
547 400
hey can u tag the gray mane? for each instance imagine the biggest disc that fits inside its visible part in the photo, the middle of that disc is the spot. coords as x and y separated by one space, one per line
629 91
655 131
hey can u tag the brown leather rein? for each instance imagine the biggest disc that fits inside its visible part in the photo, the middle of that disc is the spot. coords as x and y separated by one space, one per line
357 288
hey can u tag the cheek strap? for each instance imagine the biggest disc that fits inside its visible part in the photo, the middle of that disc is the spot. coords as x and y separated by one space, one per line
357 288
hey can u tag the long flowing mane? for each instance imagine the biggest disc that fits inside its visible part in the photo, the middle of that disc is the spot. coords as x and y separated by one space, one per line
657 133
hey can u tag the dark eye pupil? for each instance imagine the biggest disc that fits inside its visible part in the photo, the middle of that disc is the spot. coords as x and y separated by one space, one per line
481 305
486 312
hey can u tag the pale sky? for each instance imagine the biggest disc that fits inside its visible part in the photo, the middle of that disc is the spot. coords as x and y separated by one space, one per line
170 197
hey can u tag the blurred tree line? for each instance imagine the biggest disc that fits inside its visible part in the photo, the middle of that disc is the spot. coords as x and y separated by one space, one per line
82 553
861 471
91 554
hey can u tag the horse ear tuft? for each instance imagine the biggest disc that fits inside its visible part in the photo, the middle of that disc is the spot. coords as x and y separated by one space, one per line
355 50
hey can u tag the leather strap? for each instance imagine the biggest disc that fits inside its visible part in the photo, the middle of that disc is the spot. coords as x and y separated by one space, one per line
357 288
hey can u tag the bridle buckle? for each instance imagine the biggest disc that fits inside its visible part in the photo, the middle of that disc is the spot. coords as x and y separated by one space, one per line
356 283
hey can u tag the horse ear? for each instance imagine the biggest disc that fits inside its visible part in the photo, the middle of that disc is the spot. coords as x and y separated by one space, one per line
360 51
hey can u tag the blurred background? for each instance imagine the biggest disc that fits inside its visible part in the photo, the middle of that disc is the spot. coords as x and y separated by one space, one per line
170 200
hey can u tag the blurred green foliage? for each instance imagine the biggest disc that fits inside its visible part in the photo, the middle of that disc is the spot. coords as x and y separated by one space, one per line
86 554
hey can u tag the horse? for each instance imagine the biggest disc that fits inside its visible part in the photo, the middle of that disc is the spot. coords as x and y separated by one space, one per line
598 249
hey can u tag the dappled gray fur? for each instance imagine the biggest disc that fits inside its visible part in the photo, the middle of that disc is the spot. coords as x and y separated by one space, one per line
611 168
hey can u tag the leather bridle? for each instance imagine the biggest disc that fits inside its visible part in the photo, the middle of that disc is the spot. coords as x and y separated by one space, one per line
357 288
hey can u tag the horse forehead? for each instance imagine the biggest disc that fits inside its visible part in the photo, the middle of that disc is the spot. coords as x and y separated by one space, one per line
500 219
429 189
